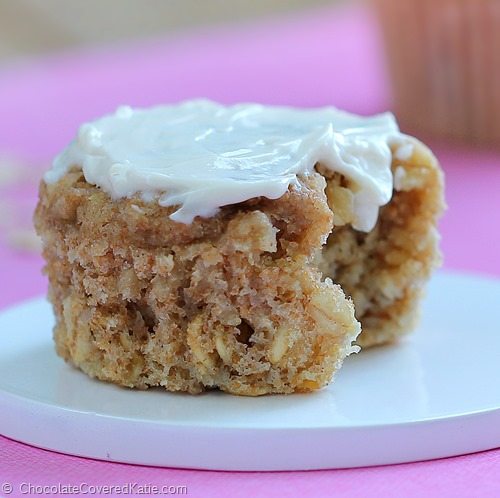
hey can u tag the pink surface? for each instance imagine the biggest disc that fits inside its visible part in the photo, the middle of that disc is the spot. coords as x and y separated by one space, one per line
326 57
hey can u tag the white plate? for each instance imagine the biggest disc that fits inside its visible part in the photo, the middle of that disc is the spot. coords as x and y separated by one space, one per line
436 394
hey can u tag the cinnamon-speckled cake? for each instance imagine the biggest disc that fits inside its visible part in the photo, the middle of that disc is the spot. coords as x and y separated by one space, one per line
243 248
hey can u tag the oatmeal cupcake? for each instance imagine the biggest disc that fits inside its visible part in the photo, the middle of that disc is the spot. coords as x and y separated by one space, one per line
444 59
198 246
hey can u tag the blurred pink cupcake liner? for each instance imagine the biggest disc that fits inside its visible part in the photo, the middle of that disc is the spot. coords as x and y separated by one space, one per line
444 56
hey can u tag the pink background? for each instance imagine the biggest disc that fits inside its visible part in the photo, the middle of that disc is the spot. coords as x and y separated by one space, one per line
329 56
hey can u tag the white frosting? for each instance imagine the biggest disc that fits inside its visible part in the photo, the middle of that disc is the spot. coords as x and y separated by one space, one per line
200 155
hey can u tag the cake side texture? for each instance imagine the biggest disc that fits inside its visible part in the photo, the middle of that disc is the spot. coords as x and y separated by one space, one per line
233 302
386 269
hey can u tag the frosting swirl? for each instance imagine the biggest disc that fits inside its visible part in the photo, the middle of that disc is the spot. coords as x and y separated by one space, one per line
200 155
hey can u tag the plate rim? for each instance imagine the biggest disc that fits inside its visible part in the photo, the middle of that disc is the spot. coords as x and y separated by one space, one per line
17 407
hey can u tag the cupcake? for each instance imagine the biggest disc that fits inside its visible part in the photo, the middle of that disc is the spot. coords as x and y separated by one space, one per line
444 58
197 246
